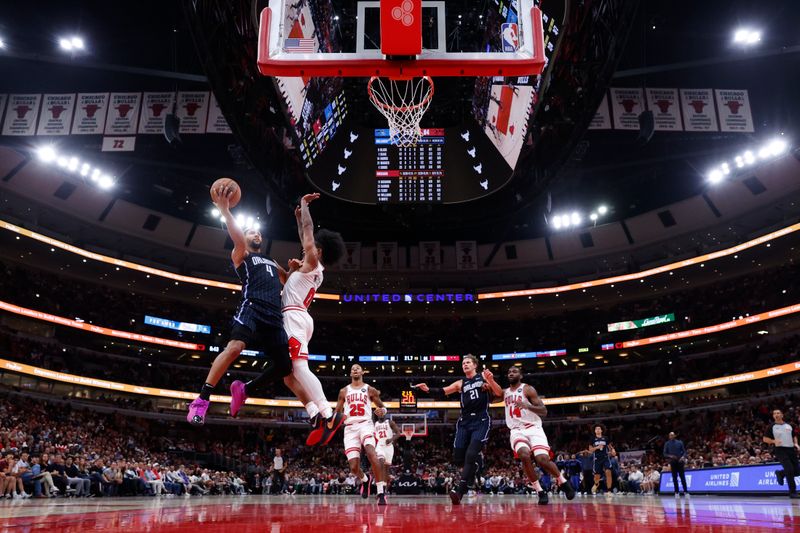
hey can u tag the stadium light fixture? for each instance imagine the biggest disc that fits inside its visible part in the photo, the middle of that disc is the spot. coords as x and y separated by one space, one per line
746 37
602 210
771 149
575 218
47 154
105 182
557 222
2 44
715 176
73 43
593 217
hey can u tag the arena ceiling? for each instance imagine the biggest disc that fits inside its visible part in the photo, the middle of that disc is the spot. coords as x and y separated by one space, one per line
149 46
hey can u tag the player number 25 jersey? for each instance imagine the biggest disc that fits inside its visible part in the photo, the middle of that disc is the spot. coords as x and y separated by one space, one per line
383 432
357 405
300 289
516 416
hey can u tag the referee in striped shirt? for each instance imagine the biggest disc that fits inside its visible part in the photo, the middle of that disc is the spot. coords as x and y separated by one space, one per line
781 436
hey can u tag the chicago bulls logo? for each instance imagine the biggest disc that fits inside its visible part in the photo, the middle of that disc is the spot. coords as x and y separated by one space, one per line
629 104
91 109
734 106
22 110
697 105
191 108
403 13
157 109
124 109
56 110
663 105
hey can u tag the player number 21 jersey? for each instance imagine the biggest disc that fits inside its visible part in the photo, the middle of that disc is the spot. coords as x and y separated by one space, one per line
383 432
357 405
516 416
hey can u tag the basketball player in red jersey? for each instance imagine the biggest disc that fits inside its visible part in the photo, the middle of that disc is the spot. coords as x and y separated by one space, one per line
355 401
524 411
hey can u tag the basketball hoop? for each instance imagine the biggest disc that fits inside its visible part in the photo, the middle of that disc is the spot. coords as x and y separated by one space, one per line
408 431
402 102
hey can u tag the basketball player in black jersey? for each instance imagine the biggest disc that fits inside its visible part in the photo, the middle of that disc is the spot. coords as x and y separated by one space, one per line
472 429
600 449
258 321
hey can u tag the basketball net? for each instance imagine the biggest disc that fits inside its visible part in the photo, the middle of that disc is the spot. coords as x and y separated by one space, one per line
402 102
408 432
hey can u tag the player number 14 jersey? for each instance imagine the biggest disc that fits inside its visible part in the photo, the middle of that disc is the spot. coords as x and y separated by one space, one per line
516 416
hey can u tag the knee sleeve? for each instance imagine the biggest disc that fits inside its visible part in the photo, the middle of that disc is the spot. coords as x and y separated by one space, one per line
473 453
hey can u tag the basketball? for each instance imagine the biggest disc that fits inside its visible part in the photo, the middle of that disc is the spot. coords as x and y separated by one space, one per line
227 182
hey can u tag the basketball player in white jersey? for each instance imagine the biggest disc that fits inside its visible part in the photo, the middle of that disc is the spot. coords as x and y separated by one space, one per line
524 411
355 401
298 292
386 433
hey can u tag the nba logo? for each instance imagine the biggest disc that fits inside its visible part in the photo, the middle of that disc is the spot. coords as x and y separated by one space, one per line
510 36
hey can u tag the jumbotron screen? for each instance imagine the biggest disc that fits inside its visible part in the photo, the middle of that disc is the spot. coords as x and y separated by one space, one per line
448 165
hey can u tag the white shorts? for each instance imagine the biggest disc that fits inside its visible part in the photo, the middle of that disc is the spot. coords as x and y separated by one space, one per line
386 453
532 438
299 327
356 436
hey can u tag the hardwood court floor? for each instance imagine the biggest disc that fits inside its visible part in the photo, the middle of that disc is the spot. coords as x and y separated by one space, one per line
307 514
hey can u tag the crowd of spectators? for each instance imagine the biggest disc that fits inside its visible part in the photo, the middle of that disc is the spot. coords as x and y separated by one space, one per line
636 374
355 334
49 449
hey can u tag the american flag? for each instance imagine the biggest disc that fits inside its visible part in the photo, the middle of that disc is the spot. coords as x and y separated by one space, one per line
300 46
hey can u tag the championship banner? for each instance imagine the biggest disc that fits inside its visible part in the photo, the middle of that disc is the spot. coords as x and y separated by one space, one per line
466 255
216 120
21 114
155 108
193 111
734 110
602 118
643 323
352 259
387 256
90 114
430 255
698 110
123 113
56 116
666 109
627 105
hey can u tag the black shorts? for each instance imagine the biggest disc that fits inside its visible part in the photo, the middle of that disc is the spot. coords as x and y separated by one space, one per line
270 339
600 465
470 429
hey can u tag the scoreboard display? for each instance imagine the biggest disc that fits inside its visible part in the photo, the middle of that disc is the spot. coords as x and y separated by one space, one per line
448 165
410 174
